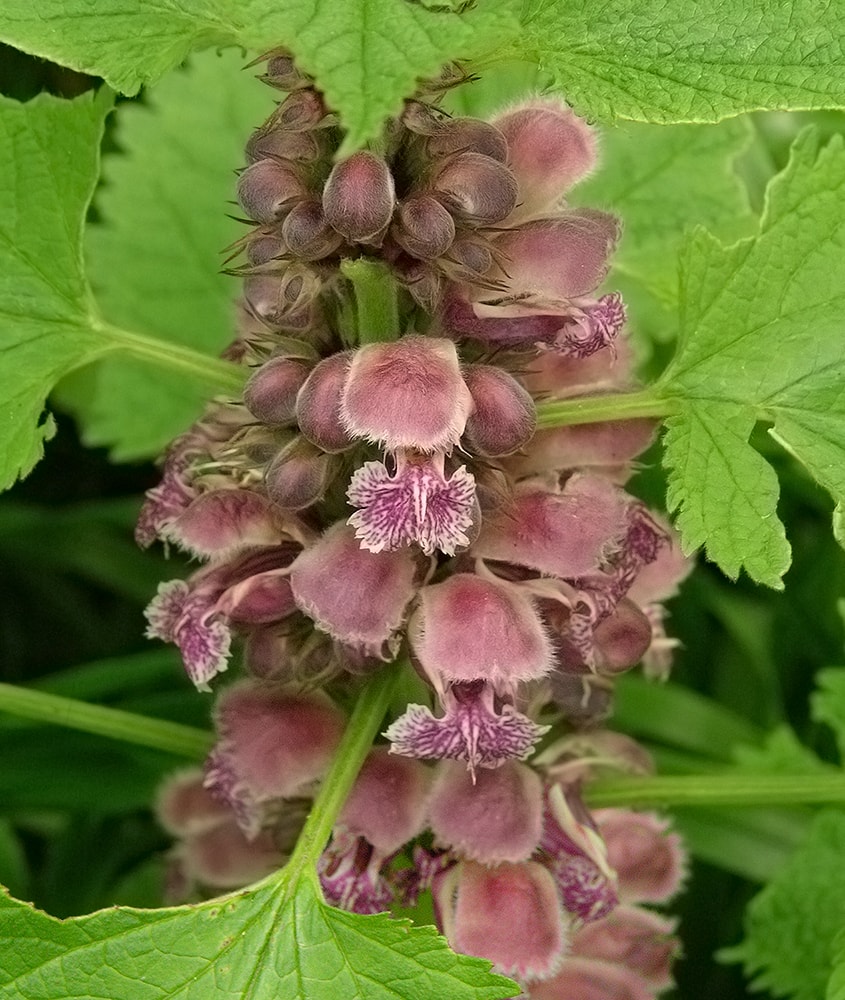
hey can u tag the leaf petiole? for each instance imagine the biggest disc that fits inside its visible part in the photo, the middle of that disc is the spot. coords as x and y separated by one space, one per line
612 406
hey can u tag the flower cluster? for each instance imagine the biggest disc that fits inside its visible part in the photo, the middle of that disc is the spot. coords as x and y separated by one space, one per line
375 490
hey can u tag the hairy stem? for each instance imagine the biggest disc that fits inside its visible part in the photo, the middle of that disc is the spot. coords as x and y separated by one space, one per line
612 406
364 723
719 790
375 299
38 706
218 375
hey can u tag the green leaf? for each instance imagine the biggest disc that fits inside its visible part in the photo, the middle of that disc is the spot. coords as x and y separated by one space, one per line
662 181
154 257
48 166
781 753
836 985
790 926
828 703
49 325
366 54
691 60
762 338
271 941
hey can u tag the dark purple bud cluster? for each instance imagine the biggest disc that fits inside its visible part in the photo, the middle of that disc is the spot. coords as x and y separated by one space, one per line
378 489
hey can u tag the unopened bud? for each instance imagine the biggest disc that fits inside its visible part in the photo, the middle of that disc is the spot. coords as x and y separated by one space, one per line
262 248
282 73
468 135
307 232
300 111
477 188
318 404
267 189
621 639
470 259
298 476
283 144
423 227
504 417
359 197
270 393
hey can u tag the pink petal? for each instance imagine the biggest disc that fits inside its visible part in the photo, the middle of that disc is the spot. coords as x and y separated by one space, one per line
549 149
561 258
469 628
510 915
387 804
588 979
639 939
497 817
221 522
331 578
407 394
650 861
566 534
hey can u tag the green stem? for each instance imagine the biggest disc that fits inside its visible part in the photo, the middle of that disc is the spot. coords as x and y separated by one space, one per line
356 743
719 790
38 706
375 298
220 376
613 406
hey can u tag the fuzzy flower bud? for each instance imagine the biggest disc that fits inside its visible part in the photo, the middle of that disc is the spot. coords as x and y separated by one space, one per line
267 189
298 476
503 416
359 197
318 404
423 227
270 393
476 188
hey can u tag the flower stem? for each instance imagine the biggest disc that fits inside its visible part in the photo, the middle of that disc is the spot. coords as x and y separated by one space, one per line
719 790
375 298
160 734
356 743
218 375
612 406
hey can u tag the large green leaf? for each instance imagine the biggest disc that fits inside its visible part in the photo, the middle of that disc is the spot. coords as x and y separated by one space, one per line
689 60
366 54
762 339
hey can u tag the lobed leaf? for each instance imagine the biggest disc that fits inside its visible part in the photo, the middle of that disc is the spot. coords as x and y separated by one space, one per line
662 181
49 323
154 256
791 925
366 54
689 60
277 939
48 168
827 703
761 339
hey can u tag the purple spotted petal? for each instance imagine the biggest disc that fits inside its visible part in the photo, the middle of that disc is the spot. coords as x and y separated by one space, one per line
350 877
470 730
592 328
166 609
414 504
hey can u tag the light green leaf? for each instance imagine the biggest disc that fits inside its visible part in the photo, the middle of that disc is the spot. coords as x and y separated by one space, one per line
828 703
48 166
154 257
662 181
762 337
790 926
782 753
267 942
836 985
366 54
690 60
49 324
